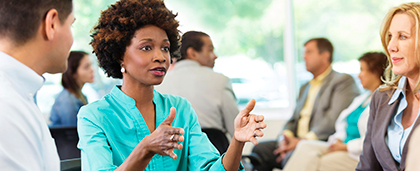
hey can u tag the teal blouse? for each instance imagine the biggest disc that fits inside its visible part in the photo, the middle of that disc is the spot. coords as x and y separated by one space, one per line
352 119
109 130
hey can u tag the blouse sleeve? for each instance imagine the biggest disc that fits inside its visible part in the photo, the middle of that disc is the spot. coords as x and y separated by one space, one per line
96 153
202 154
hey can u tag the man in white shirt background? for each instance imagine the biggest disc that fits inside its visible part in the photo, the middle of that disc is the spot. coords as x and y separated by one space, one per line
209 93
35 38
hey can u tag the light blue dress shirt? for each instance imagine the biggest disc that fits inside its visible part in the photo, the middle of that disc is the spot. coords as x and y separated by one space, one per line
65 109
396 134
25 140
109 130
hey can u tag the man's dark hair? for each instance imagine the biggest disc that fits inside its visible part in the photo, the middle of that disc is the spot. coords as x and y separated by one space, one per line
20 19
191 39
323 45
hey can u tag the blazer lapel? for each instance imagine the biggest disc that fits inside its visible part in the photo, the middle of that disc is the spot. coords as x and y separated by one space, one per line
385 114
324 85
405 150
301 102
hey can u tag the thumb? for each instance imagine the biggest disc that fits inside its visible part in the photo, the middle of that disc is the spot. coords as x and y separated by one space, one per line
248 108
170 118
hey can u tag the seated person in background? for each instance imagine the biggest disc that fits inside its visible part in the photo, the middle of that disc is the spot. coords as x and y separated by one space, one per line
394 108
343 148
135 127
320 102
209 93
69 101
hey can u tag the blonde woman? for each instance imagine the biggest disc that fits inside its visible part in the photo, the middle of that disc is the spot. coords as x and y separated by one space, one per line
395 106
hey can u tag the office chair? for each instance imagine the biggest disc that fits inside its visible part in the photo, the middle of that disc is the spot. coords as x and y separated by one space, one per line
217 138
71 165
66 140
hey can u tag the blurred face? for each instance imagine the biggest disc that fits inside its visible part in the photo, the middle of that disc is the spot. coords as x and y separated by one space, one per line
146 59
313 59
368 79
206 56
401 46
84 72
62 44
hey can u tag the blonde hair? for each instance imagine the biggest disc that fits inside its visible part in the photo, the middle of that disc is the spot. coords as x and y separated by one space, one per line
412 9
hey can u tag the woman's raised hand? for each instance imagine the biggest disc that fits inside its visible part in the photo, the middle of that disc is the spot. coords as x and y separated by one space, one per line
165 138
247 126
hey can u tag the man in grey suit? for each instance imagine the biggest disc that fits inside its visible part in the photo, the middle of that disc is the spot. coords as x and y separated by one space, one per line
209 93
320 102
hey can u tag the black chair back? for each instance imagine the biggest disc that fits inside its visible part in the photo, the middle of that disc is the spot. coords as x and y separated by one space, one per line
66 140
217 138
71 165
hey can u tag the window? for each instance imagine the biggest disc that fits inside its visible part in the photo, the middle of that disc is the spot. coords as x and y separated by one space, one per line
249 40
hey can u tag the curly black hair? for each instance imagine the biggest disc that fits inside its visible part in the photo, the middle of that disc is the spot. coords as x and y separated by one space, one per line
117 25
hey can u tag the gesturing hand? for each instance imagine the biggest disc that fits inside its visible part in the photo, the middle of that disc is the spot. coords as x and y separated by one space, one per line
247 126
165 138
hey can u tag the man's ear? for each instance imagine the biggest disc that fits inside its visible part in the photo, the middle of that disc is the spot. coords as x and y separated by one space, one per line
50 24
326 56
191 53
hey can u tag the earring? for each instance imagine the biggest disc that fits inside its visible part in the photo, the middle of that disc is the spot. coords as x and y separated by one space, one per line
122 69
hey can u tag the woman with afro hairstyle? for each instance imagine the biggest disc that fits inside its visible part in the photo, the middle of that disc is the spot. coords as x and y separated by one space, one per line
135 127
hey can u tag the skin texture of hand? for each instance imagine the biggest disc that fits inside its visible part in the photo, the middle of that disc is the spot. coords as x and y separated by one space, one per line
247 126
159 142
286 145
337 146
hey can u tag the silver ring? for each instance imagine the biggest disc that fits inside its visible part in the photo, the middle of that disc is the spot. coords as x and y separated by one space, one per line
172 137
255 133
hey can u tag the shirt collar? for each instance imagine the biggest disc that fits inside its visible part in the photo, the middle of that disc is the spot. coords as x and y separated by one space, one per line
399 90
28 80
321 77
119 94
127 100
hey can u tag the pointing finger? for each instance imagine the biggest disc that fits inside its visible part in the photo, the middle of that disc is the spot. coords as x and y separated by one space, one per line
248 108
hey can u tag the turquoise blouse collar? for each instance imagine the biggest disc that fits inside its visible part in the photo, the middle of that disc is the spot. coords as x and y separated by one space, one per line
130 103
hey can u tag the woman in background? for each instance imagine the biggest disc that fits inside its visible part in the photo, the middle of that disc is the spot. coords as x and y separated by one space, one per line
343 148
394 109
69 101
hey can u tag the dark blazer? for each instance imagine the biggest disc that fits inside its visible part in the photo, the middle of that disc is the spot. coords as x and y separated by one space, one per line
375 154
337 92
